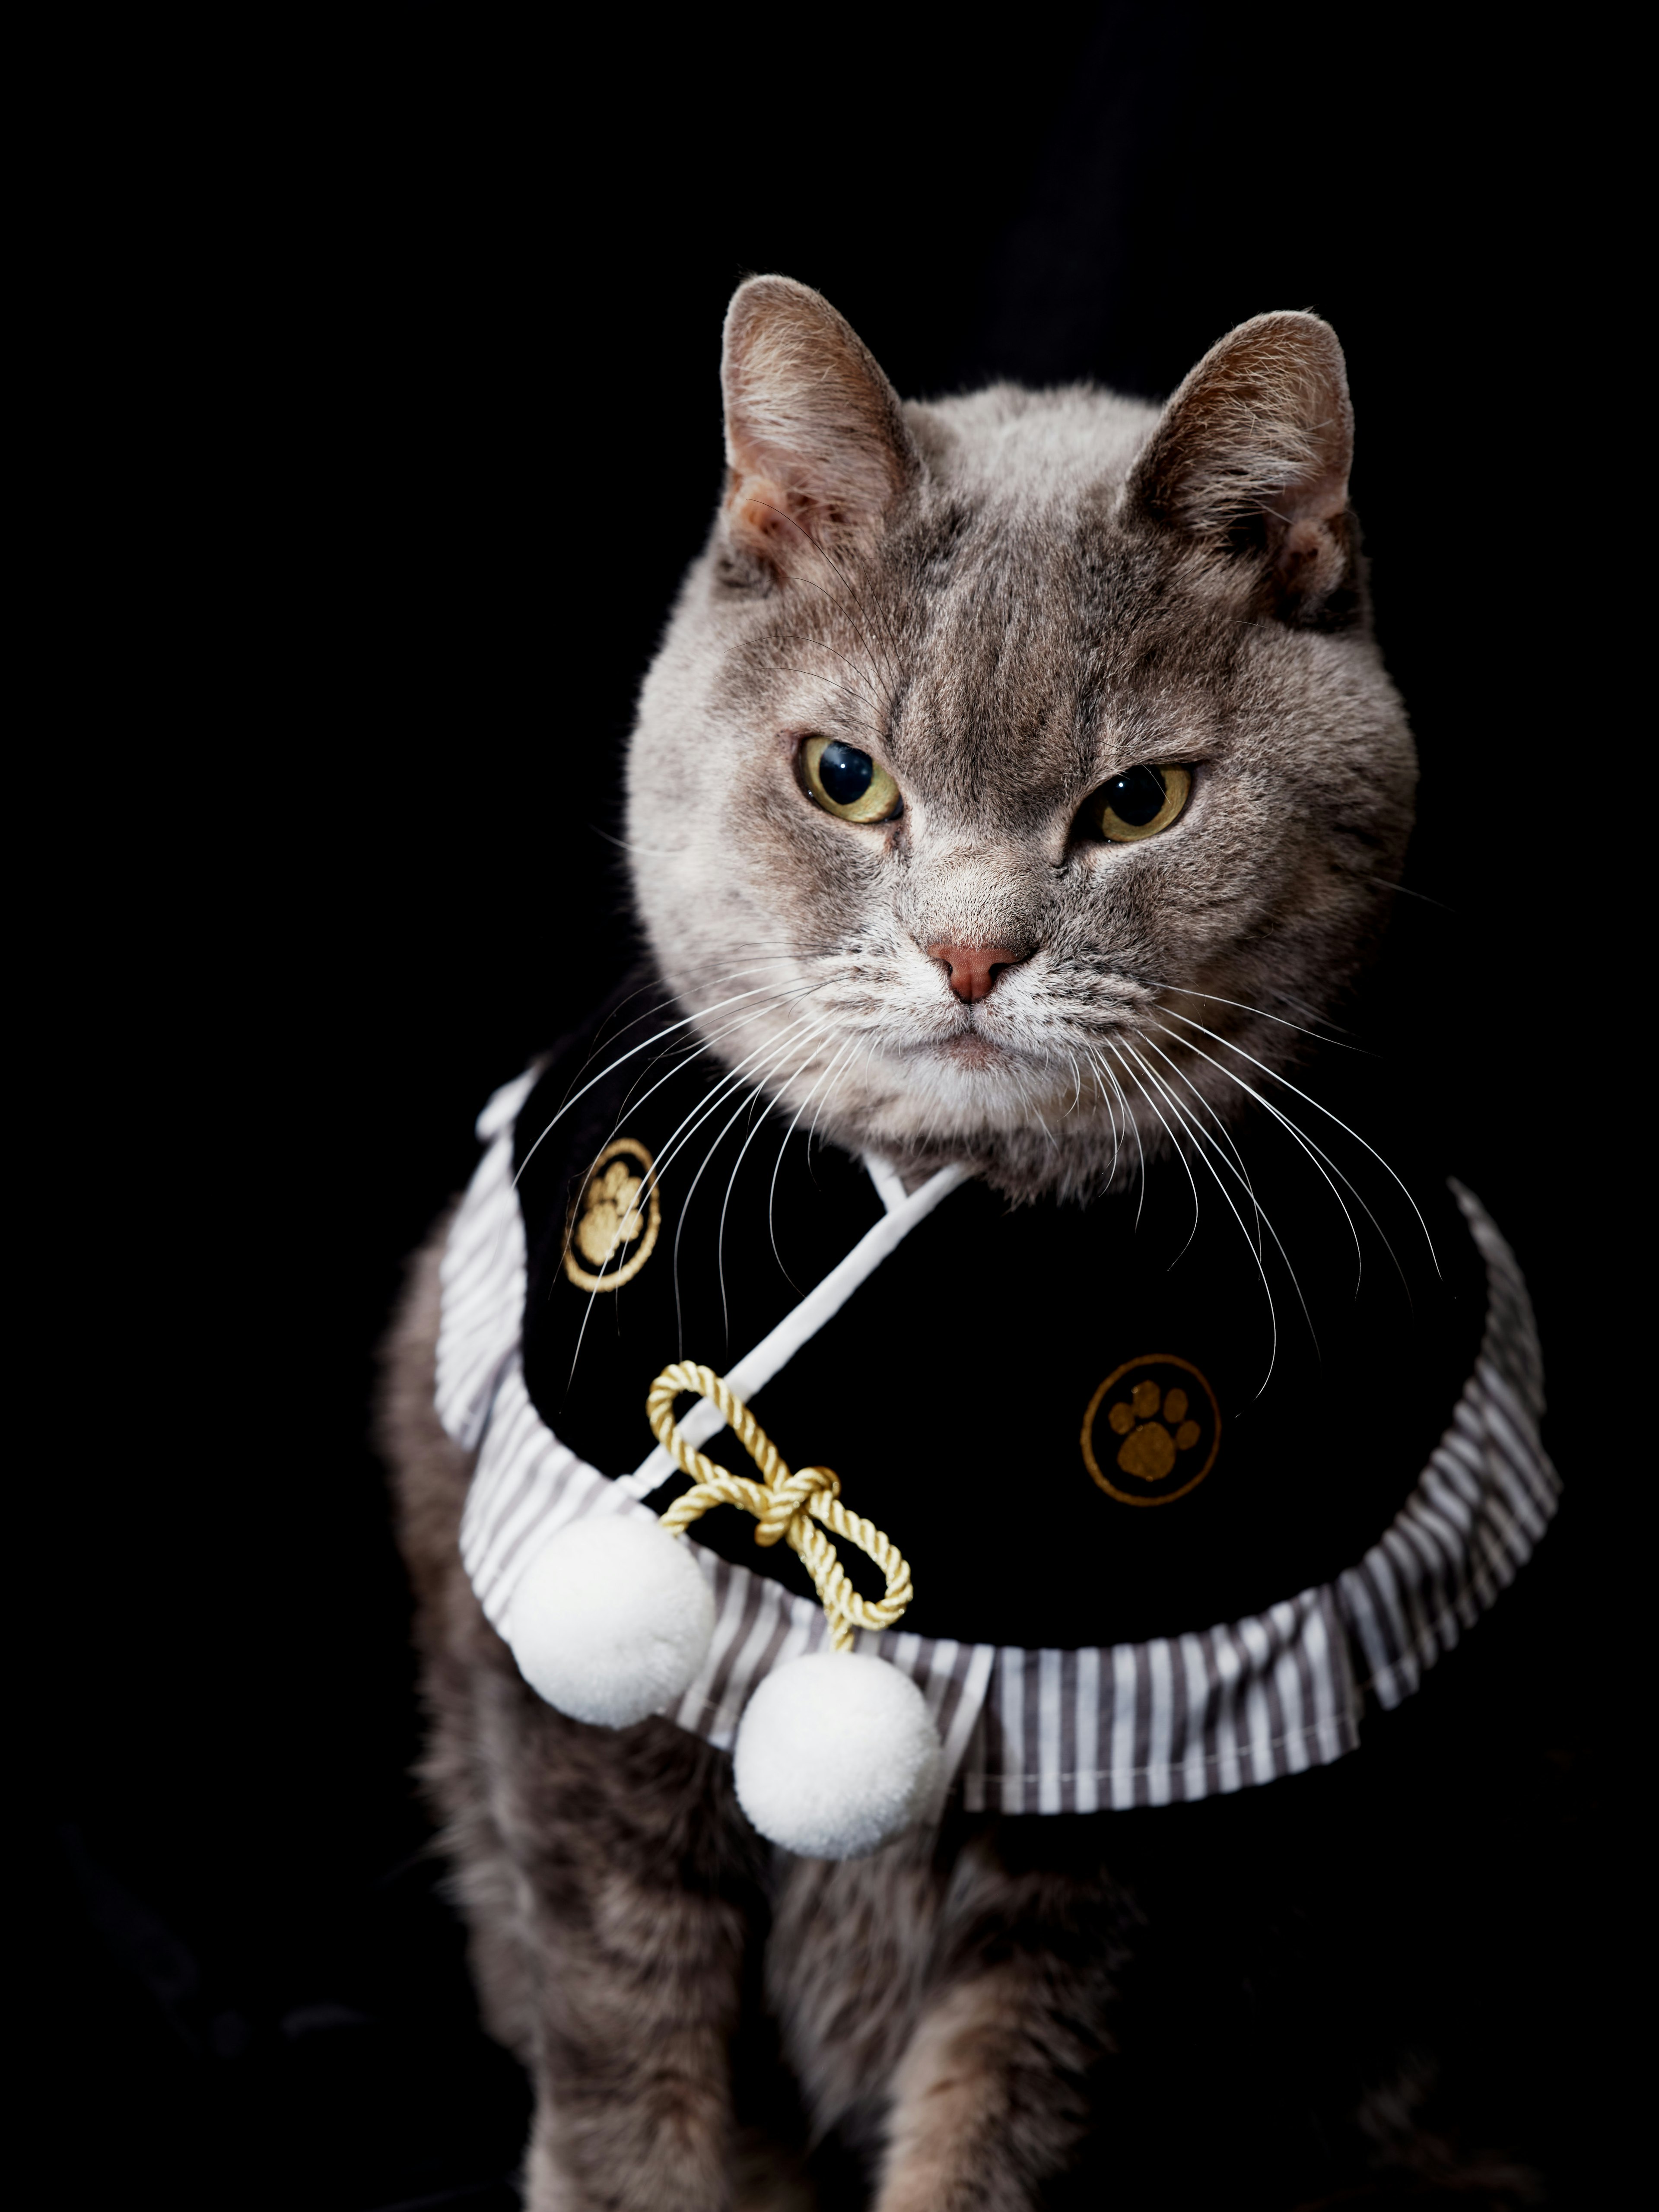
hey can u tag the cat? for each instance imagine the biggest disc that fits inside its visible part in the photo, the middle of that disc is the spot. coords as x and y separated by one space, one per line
1017 792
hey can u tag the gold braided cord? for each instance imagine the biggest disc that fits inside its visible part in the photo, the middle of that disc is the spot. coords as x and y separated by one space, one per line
788 1507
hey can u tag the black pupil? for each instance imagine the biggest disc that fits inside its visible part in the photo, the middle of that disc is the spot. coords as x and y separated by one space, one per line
1135 798
844 772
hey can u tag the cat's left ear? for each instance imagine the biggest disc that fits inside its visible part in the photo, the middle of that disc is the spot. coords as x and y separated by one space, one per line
1250 461
815 439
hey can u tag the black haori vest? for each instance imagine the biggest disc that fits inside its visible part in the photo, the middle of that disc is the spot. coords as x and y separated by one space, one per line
1182 1476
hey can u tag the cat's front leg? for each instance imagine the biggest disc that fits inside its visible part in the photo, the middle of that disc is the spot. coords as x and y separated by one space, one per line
633 1882
994 2093
607 1877
990 2101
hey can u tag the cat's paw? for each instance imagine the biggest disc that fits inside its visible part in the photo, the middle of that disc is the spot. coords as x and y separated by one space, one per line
1151 1446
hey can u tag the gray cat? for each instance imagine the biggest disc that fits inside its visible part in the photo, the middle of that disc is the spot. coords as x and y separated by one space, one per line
1014 790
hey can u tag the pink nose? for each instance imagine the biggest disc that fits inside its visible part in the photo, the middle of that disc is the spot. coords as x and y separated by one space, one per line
973 969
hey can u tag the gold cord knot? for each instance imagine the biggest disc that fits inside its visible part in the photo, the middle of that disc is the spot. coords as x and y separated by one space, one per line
789 1495
788 1507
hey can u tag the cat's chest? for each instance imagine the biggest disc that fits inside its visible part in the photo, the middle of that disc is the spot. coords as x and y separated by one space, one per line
1082 1426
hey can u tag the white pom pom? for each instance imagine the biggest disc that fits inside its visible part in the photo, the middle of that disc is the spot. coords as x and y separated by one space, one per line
612 1620
836 1754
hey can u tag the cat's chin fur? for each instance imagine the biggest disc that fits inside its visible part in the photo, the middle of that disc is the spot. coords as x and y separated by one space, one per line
1028 1130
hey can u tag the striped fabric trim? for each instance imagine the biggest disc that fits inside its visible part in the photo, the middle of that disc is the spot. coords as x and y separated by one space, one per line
1168 1721
482 1275
1485 1499
1165 1722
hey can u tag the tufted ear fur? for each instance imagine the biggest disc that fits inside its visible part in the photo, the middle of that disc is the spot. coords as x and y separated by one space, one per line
816 447
1251 459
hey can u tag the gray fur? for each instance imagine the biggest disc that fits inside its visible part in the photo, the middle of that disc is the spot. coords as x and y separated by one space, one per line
1008 597
1034 591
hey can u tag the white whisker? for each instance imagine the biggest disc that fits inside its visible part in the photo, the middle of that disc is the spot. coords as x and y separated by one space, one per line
1222 1130
1185 991
633 1049
1134 1131
755 1091
720 1248
772 1190
1273 1075
1321 1159
707 1104
691 1052
1236 1168
1272 1311
1116 1054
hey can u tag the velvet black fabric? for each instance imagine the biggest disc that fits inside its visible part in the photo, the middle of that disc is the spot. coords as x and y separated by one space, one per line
950 1393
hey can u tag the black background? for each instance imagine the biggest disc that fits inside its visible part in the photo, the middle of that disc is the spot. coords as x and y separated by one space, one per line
377 418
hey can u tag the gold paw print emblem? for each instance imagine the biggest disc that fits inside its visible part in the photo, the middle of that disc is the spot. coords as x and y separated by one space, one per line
614 1219
1152 1418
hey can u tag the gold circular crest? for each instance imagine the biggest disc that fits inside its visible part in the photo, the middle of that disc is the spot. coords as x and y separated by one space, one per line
1156 1426
617 1215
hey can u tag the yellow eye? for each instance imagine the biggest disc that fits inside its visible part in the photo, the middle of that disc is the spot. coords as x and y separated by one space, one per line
1139 803
847 782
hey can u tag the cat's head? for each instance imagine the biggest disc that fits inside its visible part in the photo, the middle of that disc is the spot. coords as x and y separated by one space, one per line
1015 764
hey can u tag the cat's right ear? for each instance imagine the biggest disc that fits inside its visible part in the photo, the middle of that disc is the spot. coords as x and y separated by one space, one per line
815 445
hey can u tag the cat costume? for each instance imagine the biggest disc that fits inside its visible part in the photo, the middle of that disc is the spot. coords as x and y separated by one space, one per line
1146 1571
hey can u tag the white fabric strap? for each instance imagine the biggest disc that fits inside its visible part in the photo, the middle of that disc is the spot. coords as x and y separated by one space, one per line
801 1324
889 1183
